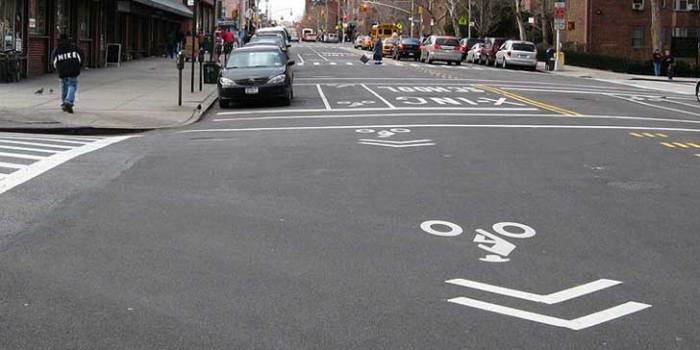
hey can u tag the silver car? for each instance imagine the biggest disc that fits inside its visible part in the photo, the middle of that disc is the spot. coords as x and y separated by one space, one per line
517 53
441 48
474 53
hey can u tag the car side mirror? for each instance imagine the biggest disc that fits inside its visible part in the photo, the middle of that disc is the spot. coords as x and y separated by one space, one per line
290 63
289 45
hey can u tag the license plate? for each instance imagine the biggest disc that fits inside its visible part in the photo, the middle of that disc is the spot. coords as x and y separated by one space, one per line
251 90
410 53
522 56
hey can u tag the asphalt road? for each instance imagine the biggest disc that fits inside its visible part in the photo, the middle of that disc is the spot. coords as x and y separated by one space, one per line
349 219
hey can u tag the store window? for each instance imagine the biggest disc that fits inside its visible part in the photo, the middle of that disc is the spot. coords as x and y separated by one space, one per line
84 22
63 17
11 24
638 37
37 17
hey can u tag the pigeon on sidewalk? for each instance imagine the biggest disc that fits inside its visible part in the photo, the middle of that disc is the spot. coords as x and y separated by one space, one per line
39 92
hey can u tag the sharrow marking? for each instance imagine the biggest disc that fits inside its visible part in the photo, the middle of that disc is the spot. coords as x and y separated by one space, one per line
548 299
576 324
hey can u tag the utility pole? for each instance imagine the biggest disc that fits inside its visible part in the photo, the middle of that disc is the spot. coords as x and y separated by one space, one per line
469 25
411 17
194 39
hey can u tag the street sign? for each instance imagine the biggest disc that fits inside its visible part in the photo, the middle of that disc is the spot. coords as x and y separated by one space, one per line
559 12
190 2
399 25
463 21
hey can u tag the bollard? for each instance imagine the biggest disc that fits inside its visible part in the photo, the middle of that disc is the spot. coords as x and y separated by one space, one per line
180 67
201 61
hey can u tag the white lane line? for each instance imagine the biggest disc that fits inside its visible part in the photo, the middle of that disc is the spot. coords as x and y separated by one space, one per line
656 106
466 126
683 104
319 55
349 63
379 97
47 163
80 139
35 144
499 109
414 65
374 115
316 63
71 143
396 146
333 63
42 150
301 60
549 299
11 165
323 97
21 156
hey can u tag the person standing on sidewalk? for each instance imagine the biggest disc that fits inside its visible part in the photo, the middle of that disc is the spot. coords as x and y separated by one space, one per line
657 58
67 60
171 43
378 51
670 63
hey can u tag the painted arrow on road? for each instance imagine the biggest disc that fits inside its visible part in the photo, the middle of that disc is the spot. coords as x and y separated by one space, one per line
576 324
397 144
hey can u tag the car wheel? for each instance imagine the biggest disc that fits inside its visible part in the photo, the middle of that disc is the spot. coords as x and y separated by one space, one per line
287 100
449 63
223 103
458 63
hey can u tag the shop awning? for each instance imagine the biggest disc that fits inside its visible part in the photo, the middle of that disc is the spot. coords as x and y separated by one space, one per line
172 6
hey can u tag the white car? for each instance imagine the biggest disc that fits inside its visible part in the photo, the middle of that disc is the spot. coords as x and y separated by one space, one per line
474 52
517 53
293 36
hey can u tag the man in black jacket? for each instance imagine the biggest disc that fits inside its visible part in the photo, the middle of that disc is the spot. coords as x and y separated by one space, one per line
67 60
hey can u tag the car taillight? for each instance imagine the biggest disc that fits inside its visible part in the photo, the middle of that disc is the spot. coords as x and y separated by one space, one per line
402 46
436 47
421 47
459 48
510 53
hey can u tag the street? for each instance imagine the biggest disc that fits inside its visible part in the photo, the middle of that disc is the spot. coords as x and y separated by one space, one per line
396 206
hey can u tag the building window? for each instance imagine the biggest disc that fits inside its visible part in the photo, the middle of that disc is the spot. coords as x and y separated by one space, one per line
37 17
84 22
639 3
63 17
11 24
685 5
637 37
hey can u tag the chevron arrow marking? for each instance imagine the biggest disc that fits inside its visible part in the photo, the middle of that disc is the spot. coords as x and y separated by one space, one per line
396 144
549 299
575 324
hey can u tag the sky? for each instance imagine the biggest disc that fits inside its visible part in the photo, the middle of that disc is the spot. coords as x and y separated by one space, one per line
282 8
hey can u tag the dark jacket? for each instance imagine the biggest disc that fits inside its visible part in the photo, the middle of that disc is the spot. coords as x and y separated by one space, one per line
378 50
67 59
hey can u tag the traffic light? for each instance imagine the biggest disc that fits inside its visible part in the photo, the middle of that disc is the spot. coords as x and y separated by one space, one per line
364 7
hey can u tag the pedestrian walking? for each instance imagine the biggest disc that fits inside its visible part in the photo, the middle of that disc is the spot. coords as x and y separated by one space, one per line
670 63
657 59
229 39
67 60
179 40
378 51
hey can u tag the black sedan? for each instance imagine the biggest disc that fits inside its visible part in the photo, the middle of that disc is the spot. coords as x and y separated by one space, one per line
256 73
407 47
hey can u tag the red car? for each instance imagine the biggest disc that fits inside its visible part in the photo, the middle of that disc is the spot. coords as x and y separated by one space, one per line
488 52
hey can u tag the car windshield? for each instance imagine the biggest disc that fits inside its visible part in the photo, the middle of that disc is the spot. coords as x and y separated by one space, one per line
447 41
410 41
391 41
523 47
254 59
268 40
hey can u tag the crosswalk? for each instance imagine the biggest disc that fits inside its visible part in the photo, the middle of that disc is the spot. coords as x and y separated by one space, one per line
26 156
393 64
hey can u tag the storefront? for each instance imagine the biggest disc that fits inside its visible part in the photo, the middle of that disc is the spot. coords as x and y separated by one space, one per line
11 29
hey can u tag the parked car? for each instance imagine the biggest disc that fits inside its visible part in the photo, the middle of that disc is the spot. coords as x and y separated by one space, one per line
293 36
441 48
331 38
517 53
388 46
307 34
474 53
359 41
466 44
407 47
367 44
274 30
269 40
256 73
488 53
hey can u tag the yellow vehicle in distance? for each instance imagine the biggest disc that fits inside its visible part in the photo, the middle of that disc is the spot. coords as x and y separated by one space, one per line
384 31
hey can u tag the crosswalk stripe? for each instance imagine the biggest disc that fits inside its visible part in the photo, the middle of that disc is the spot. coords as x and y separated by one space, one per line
333 63
317 63
35 144
20 156
11 165
73 141
349 63
29 149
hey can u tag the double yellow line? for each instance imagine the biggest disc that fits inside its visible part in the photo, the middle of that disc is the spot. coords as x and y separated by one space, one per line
528 101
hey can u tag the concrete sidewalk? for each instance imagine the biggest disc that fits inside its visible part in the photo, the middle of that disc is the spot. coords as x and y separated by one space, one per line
140 94
685 86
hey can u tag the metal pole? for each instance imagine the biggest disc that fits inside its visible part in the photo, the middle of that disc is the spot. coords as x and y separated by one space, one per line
556 60
194 38
469 25
411 18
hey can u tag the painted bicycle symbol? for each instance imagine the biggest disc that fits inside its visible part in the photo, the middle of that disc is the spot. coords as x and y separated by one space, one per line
355 103
384 133
490 242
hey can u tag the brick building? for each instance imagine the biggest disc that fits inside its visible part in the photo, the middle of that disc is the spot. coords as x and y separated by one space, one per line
622 28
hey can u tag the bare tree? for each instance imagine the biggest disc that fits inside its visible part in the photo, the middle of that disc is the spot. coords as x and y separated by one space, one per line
546 21
518 13
486 16
452 12
655 25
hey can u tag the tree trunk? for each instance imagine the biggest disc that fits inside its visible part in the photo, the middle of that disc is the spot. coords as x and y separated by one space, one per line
546 31
655 25
519 18
453 17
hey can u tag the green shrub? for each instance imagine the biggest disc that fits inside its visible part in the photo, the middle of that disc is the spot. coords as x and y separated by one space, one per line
624 65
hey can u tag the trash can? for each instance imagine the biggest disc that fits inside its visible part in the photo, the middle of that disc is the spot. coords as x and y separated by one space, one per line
211 72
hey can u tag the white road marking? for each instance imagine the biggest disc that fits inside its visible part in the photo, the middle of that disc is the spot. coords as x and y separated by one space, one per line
657 106
301 60
316 63
42 150
435 108
45 164
11 165
373 115
20 156
379 96
333 63
549 299
396 142
34 144
73 141
349 63
396 146
575 324
316 52
323 97
466 126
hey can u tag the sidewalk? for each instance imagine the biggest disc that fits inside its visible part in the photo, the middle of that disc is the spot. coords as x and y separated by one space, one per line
685 86
140 94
